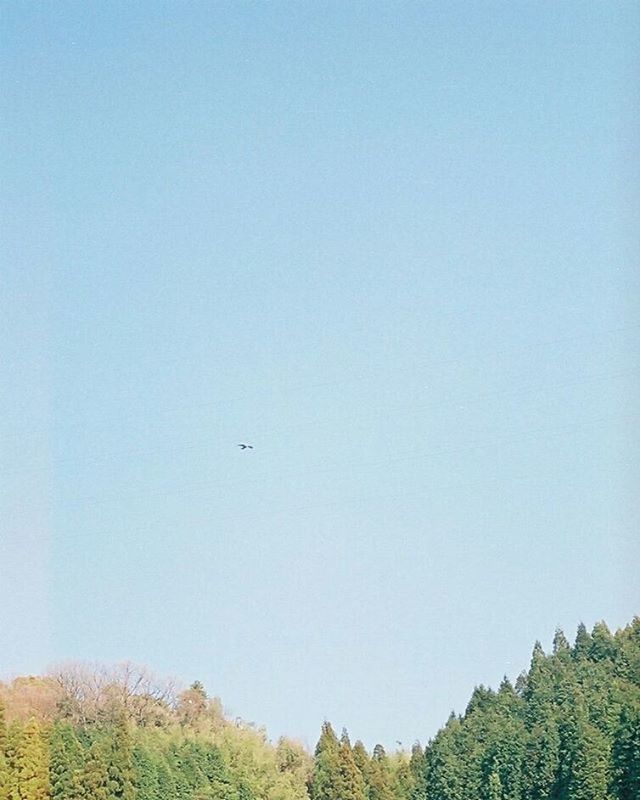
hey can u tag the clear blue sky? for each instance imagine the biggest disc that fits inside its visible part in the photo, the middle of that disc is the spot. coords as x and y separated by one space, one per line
392 245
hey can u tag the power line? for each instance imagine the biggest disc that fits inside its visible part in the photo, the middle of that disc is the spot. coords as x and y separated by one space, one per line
408 410
172 490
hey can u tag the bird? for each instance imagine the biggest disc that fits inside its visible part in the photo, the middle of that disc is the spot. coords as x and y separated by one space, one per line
246 446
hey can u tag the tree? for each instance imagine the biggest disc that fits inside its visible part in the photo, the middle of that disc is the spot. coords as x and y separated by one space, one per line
626 755
192 704
65 767
32 764
380 783
94 778
326 767
418 767
350 784
603 644
582 644
362 762
560 643
589 773
120 764
4 764
542 760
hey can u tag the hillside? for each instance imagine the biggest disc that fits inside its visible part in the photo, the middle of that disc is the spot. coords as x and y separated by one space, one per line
569 729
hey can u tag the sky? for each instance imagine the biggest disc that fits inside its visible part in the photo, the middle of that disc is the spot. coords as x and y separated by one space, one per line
394 247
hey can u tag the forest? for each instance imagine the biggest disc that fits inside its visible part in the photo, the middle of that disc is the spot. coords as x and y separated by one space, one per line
568 729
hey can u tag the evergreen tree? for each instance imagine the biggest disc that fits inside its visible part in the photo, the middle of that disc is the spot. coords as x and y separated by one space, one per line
326 766
403 784
445 767
350 783
4 763
626 755
94 778
590 765
32 764
361 759
418 767
146 778
582 645
542 760
65 766
603 645
120 764
560 643
380 784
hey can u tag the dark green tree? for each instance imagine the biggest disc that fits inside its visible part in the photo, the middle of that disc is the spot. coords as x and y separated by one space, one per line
94 778
582 646
626 755
65 765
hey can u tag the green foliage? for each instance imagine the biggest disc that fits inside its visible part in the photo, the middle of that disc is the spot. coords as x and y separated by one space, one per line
66 759
568 730
324 783
350 783
31 765
4 763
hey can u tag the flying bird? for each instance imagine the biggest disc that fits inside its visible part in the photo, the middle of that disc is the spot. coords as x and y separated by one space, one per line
246 446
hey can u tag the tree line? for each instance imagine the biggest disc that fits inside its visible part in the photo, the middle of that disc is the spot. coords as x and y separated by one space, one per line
568 729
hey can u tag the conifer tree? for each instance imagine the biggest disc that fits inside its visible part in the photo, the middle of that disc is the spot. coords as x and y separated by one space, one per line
380 784
626 755
146 775
560 643
326 766
445 768
94 778
4 764
32 764
361 758
418 770
603 644
542 760
494 787
582 644
350 782
120 766
403 783
589 769
65 767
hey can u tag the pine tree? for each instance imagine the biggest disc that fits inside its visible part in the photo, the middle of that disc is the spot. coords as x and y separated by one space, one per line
380 775
582 644
542 760
445 769
32 764
145 775
560 643
626 755
326 766
120 766
590 765
65 767
603 645
4 763
403 784
418 767
94 778
350 784
361 758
